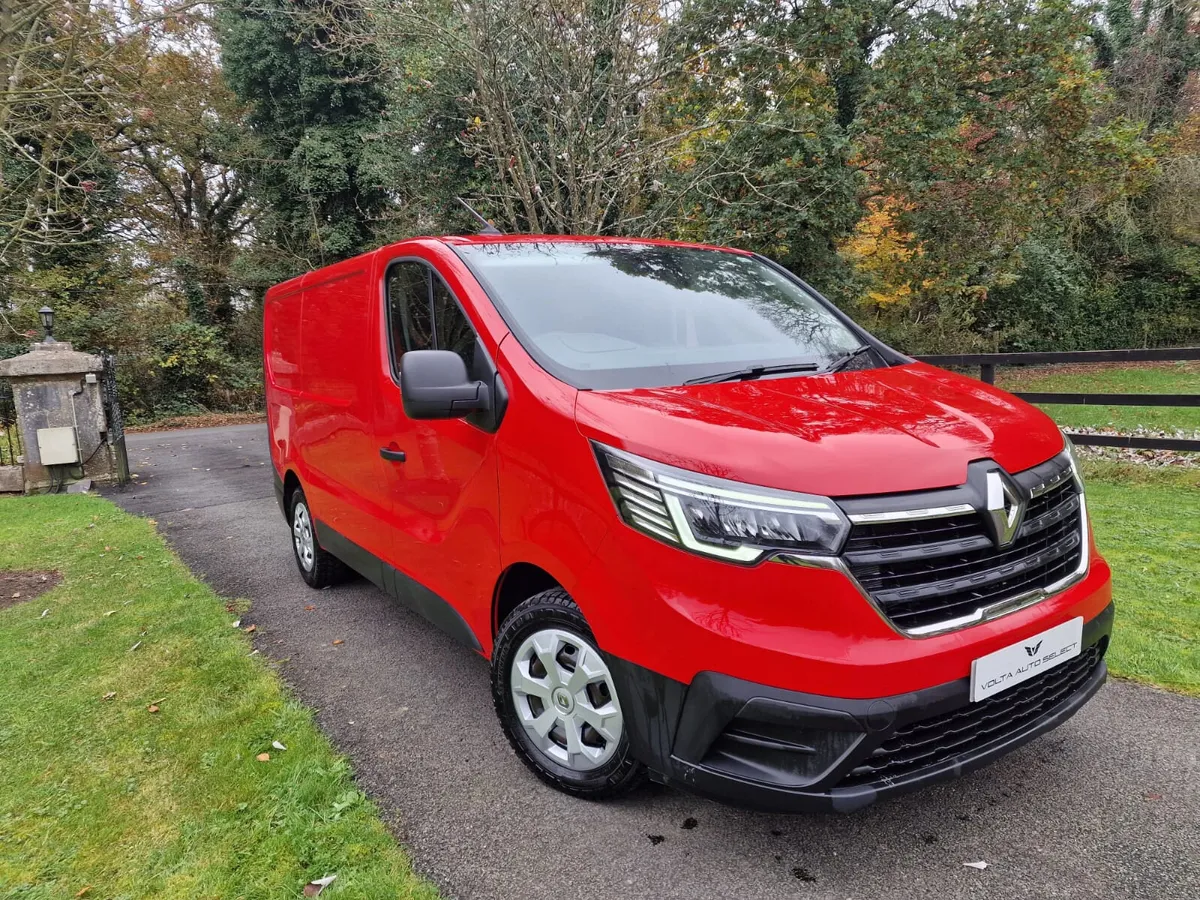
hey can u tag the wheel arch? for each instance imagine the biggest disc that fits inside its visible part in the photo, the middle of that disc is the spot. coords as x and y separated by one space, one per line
517 583
291 481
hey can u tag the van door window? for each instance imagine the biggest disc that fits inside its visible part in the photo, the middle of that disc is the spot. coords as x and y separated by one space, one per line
454 331
408 310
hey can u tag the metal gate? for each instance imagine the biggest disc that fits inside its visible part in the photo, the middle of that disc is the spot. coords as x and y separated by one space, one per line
10 433
112 415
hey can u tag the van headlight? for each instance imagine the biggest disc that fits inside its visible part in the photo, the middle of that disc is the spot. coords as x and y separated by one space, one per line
723 519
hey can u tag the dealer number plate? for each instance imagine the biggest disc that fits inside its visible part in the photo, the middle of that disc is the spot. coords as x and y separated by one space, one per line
1023 660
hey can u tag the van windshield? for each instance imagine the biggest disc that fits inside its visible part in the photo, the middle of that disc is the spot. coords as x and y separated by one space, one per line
609 315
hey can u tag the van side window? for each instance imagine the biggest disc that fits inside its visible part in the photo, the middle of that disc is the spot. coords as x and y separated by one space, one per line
454 331
408 310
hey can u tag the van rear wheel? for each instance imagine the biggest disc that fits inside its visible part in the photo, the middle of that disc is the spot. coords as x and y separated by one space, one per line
557 702
318 567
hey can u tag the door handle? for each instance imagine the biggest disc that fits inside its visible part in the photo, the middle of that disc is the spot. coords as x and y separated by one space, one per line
391 455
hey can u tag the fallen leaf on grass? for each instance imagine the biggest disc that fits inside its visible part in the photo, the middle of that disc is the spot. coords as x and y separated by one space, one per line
263 757
250 629
277 745
981 865
314 888
338 641
152 708
111 695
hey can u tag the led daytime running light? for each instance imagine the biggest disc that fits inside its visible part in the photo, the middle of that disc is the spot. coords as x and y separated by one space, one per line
719 518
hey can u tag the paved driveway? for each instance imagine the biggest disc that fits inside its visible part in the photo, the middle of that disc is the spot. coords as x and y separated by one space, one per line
1106 806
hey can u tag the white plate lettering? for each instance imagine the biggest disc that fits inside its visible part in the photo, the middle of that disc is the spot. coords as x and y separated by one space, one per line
1021 661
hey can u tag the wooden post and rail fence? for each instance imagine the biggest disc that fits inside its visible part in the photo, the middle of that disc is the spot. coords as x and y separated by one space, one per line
987 363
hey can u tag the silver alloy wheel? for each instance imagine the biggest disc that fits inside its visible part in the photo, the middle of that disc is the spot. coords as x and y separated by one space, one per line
566 700
302 536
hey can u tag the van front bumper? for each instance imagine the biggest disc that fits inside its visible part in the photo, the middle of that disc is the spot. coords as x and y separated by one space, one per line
786 751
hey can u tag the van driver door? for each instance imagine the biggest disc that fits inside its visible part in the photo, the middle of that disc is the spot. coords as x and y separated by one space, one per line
441 475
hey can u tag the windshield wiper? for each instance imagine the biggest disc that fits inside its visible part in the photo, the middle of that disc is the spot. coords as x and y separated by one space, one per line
752 372
846 358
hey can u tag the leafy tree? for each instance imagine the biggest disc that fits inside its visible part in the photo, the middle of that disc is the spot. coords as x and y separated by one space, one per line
186 201
777 90
986 121
313 112
1148 50
548 114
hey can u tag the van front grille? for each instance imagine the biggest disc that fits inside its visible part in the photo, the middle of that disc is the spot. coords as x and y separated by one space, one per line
922 572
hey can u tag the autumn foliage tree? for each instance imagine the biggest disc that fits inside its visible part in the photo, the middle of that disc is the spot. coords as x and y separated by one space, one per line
957 174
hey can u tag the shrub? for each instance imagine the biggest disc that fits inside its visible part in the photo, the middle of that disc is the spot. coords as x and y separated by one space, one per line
188 369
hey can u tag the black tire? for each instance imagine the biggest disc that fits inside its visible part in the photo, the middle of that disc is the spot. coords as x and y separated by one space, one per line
324 569
554 609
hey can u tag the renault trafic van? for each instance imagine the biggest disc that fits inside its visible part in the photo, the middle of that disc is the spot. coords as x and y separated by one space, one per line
705 528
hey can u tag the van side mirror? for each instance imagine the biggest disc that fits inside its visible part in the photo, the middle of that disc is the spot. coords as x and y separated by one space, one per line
434 385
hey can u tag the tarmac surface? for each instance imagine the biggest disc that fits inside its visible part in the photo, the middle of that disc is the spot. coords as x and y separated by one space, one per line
1108 805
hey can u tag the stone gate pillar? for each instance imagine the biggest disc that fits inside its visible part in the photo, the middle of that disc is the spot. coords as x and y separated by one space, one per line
60 412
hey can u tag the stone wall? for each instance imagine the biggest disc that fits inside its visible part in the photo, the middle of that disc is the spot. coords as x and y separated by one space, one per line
56 387
57 401
12 479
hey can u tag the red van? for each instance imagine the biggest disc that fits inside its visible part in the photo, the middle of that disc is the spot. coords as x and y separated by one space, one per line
706 528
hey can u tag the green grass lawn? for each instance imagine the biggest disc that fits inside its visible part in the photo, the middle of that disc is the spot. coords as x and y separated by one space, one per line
104 798
1147 525
1173 378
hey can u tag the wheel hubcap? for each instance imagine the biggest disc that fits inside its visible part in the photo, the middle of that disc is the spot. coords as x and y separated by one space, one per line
565 699
302 536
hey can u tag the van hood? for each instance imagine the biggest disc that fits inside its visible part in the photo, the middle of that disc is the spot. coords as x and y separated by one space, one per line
905 428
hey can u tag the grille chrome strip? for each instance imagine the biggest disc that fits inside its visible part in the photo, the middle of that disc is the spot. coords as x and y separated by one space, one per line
955 583
913 515
1051 483
984 613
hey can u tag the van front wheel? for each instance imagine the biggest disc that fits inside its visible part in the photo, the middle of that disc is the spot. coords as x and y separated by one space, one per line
557 702
318 567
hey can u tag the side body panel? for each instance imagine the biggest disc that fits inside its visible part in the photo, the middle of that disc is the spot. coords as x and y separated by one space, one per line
441 509
552 496
281 367
335 453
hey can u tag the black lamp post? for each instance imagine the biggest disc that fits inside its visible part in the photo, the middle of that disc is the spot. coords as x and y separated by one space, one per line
47 315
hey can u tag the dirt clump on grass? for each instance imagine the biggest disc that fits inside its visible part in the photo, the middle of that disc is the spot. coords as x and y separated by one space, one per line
17 587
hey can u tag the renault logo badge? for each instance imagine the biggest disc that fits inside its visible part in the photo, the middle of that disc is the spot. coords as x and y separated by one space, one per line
1005 508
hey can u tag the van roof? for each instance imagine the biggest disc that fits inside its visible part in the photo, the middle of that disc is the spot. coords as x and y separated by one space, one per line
459 239
463 240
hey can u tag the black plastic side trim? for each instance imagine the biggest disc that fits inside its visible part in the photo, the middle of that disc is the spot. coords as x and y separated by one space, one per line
650 706
279 493
391 580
